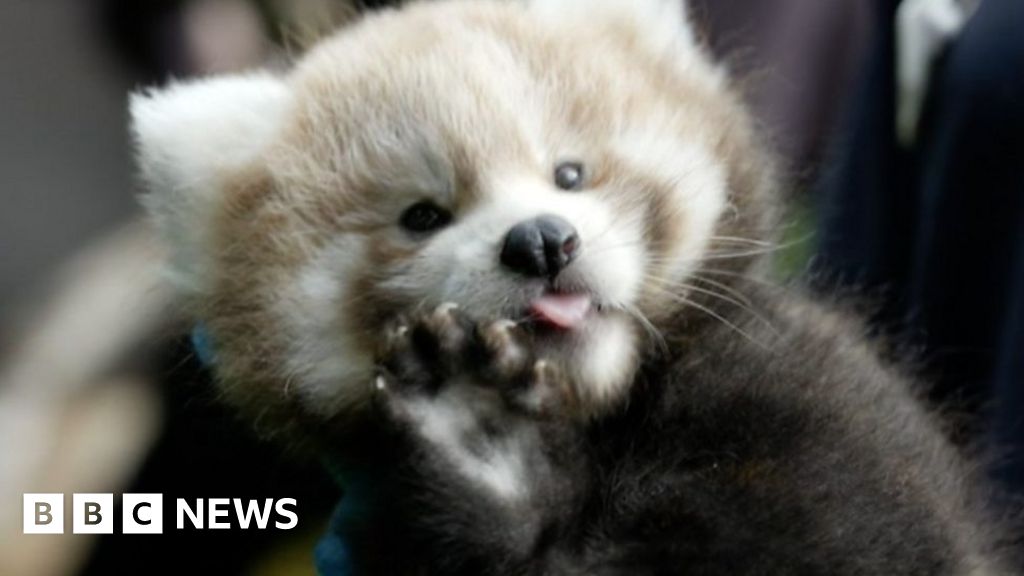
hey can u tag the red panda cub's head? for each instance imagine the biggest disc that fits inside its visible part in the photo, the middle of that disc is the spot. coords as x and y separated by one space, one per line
567 163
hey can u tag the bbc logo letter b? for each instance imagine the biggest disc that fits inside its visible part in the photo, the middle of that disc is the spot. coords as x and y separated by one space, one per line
92 513
43 513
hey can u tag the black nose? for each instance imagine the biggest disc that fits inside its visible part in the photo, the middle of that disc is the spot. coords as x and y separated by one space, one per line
540 247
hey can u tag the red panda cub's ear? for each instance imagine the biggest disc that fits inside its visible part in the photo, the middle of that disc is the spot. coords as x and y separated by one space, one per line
190 138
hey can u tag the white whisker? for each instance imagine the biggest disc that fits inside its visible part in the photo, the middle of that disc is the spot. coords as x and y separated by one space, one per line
648 326
665 288
723 320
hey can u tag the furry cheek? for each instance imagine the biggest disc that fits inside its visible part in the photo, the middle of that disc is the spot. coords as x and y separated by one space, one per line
327 363
689 195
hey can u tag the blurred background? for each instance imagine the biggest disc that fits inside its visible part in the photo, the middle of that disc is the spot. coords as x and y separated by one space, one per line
899 126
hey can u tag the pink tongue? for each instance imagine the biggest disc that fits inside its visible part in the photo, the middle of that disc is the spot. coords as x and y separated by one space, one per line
564 311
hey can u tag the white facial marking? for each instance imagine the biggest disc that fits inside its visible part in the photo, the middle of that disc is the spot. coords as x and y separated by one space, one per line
606 359
698 184
325 360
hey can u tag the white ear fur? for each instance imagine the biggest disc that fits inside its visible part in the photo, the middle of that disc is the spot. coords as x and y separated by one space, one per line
665 22
189 138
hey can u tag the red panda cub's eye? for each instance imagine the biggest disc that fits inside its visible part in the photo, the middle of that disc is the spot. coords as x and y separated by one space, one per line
425 217
569 176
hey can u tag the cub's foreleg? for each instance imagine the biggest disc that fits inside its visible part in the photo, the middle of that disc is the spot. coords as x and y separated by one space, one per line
492 465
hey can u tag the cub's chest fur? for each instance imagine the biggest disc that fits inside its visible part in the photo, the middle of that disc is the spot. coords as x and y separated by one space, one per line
519 242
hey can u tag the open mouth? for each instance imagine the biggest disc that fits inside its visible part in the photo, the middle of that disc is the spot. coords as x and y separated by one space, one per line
561 310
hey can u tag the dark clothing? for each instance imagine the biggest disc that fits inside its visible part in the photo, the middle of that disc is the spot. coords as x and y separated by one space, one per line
937 231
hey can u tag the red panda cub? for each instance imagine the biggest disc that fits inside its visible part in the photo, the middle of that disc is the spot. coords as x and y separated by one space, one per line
505 257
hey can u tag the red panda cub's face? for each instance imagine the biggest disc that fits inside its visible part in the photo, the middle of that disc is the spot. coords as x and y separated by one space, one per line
560 163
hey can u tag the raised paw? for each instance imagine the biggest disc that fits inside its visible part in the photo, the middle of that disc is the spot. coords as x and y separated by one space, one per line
427 350
531 384
510 365
442 347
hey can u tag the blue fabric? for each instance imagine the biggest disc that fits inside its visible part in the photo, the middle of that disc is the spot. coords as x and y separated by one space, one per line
203 345
333 556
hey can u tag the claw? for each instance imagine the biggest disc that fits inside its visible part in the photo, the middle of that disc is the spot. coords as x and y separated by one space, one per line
443 327
508 356
547 391
394 337
397 334
446 308
543 372
442 317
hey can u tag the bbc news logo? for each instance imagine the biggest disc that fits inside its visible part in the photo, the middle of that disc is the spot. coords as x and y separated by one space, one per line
144 514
